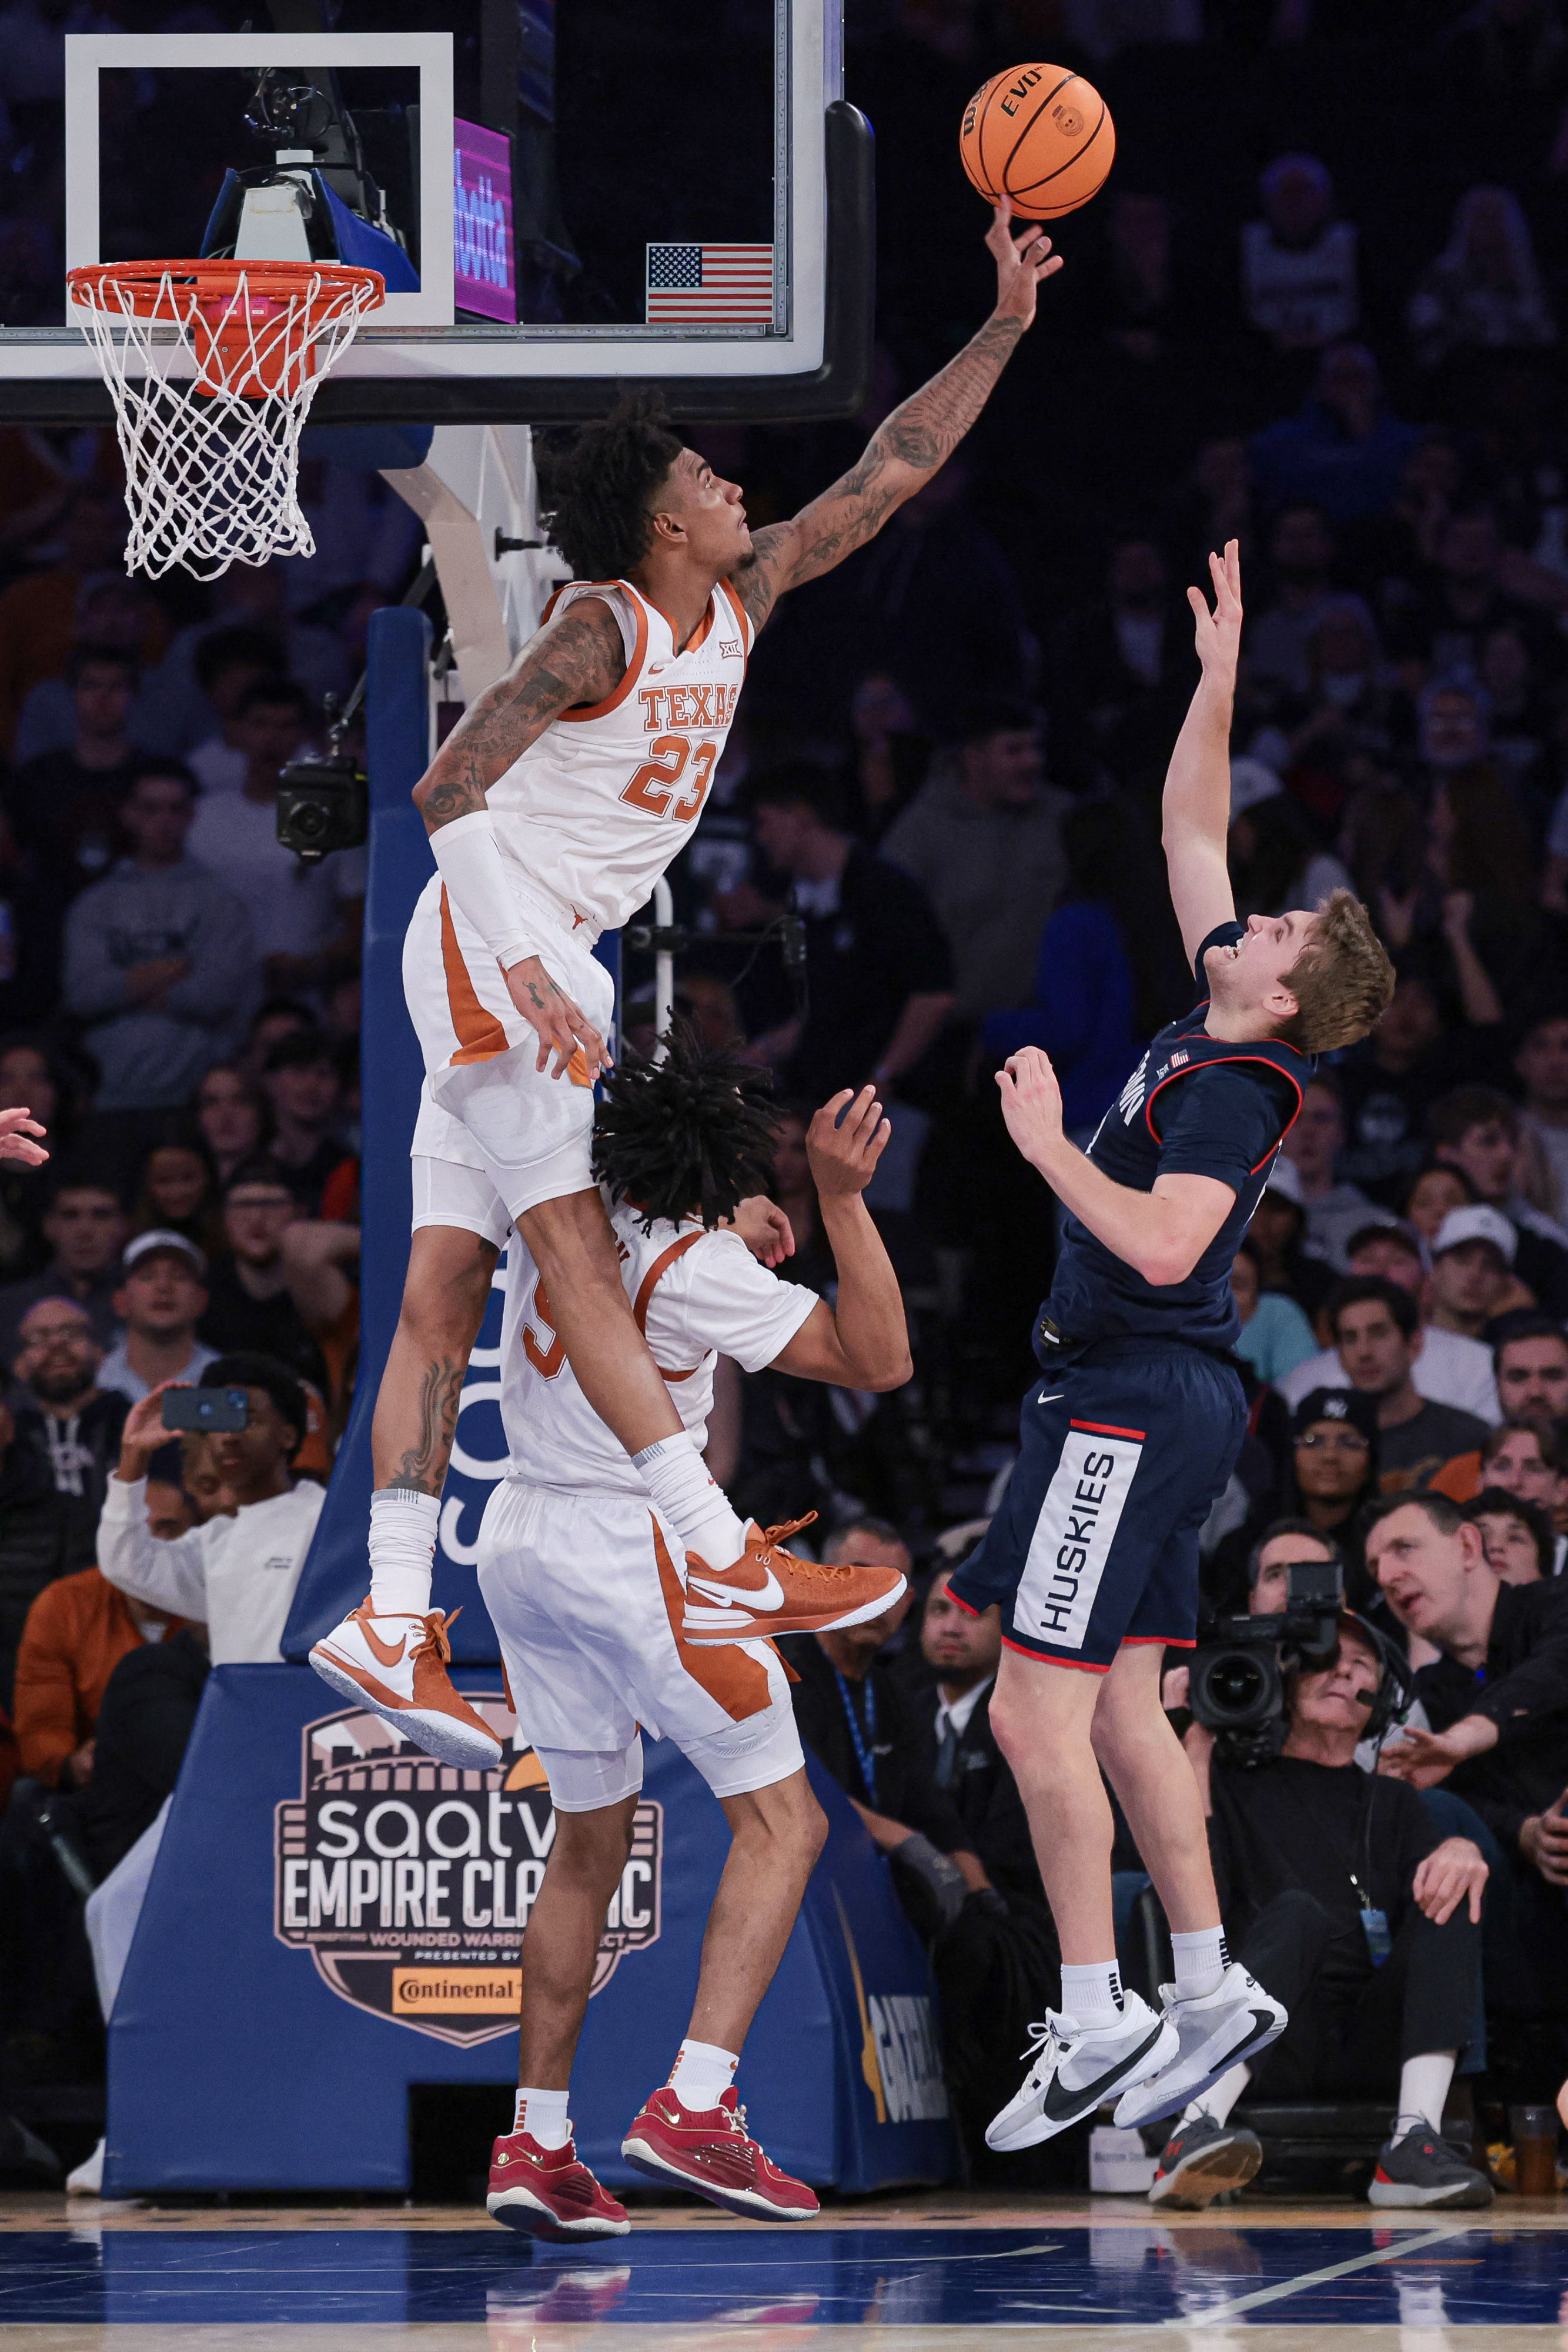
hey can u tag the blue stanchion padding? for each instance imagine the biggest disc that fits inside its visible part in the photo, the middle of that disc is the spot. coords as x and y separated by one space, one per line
281 1997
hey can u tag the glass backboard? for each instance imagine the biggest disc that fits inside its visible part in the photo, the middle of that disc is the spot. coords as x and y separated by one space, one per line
559 197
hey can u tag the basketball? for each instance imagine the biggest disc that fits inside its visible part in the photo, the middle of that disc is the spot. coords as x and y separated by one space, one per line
1041 137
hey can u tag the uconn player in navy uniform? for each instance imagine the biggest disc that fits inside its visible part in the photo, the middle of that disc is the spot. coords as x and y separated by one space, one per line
1132 1430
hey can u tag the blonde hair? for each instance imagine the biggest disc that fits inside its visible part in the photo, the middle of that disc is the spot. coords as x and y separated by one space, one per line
1342 981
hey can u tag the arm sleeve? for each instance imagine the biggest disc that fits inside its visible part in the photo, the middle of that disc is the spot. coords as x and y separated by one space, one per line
94 985
44 1709
170 1575
223 961
1223 1122
718 1296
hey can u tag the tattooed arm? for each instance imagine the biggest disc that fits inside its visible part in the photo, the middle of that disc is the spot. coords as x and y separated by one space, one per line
910 446
577 657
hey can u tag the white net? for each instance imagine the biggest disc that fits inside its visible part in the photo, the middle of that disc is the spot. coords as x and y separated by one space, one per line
213 368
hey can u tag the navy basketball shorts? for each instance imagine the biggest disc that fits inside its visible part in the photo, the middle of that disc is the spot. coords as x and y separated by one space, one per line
1123 1450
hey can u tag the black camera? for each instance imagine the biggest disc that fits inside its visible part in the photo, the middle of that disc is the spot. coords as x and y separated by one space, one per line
1236 1684
322 805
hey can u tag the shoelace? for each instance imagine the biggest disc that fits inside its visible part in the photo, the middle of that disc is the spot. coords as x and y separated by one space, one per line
437 1637
828 1571
1042 2035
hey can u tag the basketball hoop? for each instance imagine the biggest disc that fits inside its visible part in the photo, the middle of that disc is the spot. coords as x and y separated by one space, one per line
211 366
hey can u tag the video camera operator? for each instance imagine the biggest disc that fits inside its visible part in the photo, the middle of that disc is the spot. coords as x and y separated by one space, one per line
1344 1890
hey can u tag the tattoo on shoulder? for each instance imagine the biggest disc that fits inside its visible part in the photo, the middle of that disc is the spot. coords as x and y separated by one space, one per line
757 581
579 659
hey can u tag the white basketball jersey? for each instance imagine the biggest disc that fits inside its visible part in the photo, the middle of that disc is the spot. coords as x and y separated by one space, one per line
597 808
696 1295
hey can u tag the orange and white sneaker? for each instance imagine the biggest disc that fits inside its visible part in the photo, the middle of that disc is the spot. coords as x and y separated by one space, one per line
768 1591
547 2193
709 2150
396 1665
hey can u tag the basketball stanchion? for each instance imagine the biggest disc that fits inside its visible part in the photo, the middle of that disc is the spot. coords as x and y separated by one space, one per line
211 366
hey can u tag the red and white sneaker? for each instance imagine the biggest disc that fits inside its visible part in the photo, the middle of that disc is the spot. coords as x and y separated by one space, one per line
545 2193
768 1591
707 2149
396 1665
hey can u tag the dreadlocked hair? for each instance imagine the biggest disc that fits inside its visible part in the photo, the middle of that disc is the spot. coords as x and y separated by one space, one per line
596 485
690 1136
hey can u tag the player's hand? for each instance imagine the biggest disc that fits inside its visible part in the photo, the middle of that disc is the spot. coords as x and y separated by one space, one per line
15 1127
1031 1104
563 1028
1218 634
1021 262
764 1228
1452 1873
844 1142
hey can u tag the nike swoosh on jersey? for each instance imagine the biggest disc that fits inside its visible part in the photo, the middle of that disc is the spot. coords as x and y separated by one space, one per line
1055 1397
769 1594
1060 2102
384 1650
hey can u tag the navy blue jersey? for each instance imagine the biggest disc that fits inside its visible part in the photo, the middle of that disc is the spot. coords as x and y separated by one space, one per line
1195 1106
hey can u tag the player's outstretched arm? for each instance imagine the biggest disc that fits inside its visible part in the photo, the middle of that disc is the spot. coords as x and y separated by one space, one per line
1197 808
911 445
578 657
863 1343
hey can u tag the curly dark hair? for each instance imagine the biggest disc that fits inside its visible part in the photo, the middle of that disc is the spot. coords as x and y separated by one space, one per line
595 486
689 1136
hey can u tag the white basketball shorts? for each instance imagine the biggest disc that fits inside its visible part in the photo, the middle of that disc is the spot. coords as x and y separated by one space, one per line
584 1594
484 1107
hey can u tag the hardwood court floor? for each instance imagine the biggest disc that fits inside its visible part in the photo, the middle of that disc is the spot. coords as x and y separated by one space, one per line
922 2271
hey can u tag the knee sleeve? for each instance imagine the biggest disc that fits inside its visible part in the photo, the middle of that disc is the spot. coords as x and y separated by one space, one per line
586 1779
756 1753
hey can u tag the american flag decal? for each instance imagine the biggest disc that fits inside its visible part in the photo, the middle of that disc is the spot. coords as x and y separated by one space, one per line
710 285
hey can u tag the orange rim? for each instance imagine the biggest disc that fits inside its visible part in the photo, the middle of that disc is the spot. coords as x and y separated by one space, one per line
225 304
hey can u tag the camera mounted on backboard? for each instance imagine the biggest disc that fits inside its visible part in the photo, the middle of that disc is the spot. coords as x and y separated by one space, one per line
325 804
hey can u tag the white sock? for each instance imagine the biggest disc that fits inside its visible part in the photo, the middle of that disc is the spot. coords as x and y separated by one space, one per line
542 2114
676 1476
1221 2097
402 1550
1091 1991
702 2073
1424 2090
1202 1958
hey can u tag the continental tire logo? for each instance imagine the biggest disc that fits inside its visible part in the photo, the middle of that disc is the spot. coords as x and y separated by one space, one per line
410 1883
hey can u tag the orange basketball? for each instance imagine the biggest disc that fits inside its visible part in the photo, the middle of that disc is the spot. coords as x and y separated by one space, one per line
1041 137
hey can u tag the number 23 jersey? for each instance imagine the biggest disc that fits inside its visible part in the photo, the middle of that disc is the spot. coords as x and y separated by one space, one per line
595 810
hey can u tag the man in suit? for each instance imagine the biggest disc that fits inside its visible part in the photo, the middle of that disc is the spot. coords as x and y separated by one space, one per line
960 1748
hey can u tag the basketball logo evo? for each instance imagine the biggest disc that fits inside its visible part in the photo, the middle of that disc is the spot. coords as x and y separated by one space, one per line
410 1883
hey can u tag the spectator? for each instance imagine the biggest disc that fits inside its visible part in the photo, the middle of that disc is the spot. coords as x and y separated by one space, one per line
144 1724
225 665
279 1017
1335 1210
178 1192
1497 1699
1527 1458
1275 861
1460 600
1277 1234
303 919
1376 1329
237 1575
1541 1062
1450 1369
961 1751
233 1116
1471 910
251 1309
38 611
1477 1130
34 1525
1516 1536
1472 1270
159 961
1300 567
1389 1082
1276 1337
1438 1188
890 756
114 615
77 1630
71 1417
881 974
304 1089
983 842
65 806
1484 293
1299 281
84 1226
1345 451
1098 984
162 1297
1121 668
1332 1472
1310 1858
1531 1359
1348 714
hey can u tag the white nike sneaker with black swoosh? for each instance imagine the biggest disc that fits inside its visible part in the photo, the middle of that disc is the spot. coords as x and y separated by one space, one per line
768 1591
1213 2032
1077 2068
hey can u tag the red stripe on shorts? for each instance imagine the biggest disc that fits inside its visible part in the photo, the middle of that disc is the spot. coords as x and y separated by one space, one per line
1109 1429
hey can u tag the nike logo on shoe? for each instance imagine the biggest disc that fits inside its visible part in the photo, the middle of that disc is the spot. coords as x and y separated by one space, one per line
384 1650
1061 2102
769 1594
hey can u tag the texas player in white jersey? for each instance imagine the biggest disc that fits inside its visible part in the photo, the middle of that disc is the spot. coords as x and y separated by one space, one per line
608 1632
552 808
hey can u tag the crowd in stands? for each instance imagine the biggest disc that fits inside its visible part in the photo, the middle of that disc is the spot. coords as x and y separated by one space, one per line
1337 335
